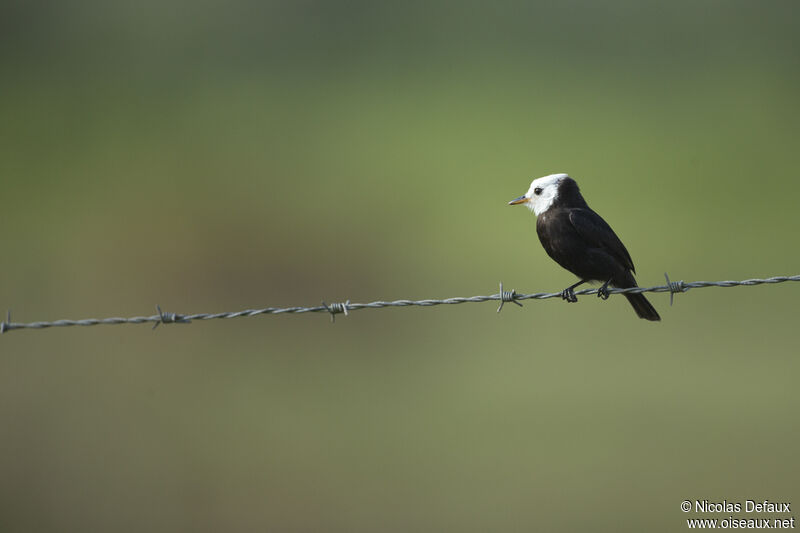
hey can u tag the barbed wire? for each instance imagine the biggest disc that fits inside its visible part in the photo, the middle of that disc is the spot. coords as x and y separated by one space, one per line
333 309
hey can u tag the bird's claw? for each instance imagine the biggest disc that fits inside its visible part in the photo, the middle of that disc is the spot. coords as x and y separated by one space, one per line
603 293
569 295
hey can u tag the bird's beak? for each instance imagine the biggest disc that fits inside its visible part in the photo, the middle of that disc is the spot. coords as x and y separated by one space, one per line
520 200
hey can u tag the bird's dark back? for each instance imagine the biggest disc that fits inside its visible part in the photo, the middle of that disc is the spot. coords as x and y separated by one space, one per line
580 241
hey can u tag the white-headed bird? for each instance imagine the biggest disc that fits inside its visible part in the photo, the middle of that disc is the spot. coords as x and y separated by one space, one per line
579 240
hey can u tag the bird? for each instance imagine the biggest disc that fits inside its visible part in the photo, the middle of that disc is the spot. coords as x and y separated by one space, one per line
579 240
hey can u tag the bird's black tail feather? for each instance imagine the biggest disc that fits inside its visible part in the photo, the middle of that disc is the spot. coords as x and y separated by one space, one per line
642 307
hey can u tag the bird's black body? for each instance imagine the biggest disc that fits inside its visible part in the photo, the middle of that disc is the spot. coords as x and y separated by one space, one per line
582 242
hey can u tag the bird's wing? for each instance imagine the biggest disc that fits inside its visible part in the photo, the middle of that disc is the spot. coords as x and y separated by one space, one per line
598 234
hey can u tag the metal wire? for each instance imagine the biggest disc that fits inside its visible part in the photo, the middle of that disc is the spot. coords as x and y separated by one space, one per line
344 307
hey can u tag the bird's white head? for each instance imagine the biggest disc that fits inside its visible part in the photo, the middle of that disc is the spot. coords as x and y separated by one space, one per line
542 193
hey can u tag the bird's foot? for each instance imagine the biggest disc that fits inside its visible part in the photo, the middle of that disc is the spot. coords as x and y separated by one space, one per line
569 295
602 292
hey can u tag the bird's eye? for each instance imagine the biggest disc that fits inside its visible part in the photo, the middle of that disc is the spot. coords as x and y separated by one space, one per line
537 191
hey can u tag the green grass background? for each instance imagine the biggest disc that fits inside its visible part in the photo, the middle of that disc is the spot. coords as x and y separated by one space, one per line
219 156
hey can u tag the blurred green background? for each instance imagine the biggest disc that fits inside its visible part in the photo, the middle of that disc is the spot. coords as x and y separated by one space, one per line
217 156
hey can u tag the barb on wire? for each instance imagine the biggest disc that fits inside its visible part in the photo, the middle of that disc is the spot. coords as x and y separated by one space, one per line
675 287
335 308
169 318
672 287
507 296
6 324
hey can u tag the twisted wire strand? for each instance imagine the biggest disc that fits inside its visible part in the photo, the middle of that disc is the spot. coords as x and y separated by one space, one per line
344 307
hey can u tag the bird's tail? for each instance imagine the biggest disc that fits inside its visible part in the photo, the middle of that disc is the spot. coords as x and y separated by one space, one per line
642 307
